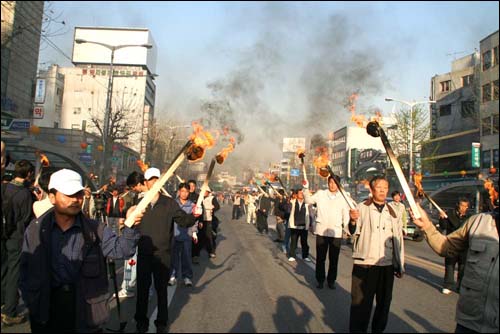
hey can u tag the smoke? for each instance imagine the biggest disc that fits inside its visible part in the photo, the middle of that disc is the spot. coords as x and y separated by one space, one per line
271 92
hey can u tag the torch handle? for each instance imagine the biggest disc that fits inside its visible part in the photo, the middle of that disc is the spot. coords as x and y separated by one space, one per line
441 211
204 187
304 169
150 195
341 189
282 185
399 173
262 191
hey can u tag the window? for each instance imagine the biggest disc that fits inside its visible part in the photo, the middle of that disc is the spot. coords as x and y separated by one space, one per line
445 86
486 60
467 80
58 91
487 92
495 56
495 90
445 110
494 127
467 109
486 159
486 126
77 111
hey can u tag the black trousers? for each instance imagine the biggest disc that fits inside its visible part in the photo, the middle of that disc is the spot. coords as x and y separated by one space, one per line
367 282
332 246
62 313
449 270
147 265
205 240
294 236
236 212
262 224
11 260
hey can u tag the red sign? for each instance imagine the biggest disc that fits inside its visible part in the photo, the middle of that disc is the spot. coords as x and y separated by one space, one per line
38 112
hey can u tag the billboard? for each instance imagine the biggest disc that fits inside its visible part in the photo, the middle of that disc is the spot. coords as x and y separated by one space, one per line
92 53
40 91
293 144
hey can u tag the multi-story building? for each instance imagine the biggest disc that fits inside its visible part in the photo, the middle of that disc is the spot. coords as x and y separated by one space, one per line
133 87
21 26
488 107
49 98
454 121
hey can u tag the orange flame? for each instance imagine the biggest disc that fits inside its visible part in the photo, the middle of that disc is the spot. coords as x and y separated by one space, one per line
301 152
322 159
44 160
222 155
360 120
271 177
417 178
202 140
142 165
488 185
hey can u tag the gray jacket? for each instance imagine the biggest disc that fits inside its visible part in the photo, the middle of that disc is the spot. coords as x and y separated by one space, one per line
477 307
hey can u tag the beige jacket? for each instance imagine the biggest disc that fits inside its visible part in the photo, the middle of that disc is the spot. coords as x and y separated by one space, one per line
477 307
378 237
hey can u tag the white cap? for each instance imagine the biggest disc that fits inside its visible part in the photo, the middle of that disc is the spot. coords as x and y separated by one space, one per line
66 181
152 172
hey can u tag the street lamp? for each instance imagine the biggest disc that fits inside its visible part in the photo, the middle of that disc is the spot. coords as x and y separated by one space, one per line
411 105
109 94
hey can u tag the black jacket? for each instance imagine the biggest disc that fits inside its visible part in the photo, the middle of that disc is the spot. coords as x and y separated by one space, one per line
157 228
21 210
453 222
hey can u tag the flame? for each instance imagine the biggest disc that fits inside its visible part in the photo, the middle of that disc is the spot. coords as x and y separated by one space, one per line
488 185
377 118
202 140
360 120
301 152
44 160
322 159
270 177
142 165
222 155
417 178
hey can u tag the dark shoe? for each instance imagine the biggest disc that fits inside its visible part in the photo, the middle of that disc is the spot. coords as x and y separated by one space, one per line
161 329
278 240
320 285
142 328
9 321
332 285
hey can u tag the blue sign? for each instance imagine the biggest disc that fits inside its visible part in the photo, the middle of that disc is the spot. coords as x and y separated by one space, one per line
294 172
85 157
20 124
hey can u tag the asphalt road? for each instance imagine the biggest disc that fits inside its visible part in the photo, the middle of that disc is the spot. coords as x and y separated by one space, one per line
251 287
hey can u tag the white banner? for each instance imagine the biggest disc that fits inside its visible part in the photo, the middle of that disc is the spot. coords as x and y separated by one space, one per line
293 144
40 91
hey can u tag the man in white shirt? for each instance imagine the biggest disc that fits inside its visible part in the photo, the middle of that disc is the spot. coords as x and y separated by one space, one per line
332 218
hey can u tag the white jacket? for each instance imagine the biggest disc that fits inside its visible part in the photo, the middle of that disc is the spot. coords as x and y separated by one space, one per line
333 212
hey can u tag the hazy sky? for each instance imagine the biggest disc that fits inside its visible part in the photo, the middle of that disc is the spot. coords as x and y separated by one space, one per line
271 70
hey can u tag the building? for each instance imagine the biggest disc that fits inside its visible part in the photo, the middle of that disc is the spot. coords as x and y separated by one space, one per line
454 121
21 26
133 89
488 107
49 98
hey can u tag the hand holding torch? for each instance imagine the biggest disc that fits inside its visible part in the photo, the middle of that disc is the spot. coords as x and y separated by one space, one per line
420 192
347 198
204 187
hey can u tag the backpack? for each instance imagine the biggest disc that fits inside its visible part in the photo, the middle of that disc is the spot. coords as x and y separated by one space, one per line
9 225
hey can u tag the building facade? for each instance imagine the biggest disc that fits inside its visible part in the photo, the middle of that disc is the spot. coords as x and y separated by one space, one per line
454 121
488 106
21 27
49 92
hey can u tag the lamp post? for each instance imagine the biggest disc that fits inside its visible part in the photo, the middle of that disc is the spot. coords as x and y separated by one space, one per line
109 95
411 105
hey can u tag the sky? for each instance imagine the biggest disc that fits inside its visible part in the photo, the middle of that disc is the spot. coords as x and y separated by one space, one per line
271 70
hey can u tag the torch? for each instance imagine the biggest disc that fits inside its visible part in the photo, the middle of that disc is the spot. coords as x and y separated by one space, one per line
302 153
267 183
44 162
375 130
186 151
420 192
282 185
204 187
181 180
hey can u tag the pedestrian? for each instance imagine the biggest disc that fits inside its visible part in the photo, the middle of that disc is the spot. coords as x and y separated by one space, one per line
137 189
279 213
42 204
299 224
400 209
88 206
378 253
477 306
332 218
193 195
64 281
154 251
263 209
236 206
210 206
17 212
251 208
450 222
181 252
